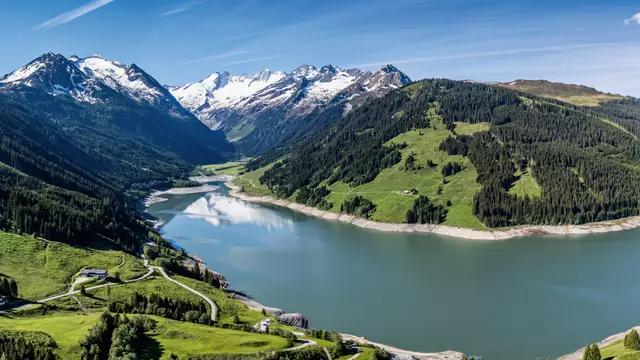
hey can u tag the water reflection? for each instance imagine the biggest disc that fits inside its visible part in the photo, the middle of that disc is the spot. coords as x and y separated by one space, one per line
218 210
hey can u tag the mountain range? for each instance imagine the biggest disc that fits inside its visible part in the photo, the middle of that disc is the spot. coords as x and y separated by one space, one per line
115 109
256 112
271 108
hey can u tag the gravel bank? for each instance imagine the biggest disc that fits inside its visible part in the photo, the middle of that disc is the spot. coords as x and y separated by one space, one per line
593 228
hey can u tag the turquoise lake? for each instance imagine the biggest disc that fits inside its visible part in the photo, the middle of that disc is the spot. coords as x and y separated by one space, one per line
520 299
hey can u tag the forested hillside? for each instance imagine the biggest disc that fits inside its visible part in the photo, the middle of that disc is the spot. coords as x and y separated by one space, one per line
55 187
527 160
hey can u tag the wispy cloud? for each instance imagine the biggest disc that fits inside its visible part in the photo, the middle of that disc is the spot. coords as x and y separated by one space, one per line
180 9
72 15
174 11
250 60
634 19
219 56
489 54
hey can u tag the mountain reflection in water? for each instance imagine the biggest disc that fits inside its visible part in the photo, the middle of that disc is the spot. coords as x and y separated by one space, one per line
217 210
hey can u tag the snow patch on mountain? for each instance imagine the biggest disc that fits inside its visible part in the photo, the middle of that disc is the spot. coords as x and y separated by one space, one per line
119 77
223 90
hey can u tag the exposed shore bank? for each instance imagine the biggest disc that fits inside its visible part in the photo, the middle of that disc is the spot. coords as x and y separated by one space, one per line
471 234
608 341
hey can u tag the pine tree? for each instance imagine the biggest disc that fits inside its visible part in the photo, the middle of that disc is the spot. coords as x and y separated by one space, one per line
592 352
632 340
587 353
595 350
83 291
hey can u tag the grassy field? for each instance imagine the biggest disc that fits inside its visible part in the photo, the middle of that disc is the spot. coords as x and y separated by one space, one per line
572 94
227 306
386 189
232 168
617 351
67 331
186 340
180 338
44 268
155 284
251 184
526 185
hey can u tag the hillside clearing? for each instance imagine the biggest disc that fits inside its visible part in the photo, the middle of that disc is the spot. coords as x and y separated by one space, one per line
526 185
386 190
180 338
44 268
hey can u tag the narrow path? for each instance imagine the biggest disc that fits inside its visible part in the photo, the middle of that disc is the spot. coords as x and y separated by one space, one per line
354 357
327 353
72 292
84 309
214 308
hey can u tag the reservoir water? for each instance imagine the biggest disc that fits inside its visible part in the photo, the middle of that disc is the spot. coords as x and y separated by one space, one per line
520 299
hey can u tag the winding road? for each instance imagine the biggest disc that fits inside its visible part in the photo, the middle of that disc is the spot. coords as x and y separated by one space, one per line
71 292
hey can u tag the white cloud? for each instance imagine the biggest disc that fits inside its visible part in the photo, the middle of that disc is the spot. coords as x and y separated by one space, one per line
487 54
219 56
73 14
635 18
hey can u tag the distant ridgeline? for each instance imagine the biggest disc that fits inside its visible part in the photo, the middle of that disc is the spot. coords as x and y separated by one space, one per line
582 162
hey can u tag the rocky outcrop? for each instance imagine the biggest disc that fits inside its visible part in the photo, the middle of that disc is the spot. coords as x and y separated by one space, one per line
296 320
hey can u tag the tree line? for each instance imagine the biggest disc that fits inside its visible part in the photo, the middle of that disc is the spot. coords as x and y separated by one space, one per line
155 304
27 346
116 337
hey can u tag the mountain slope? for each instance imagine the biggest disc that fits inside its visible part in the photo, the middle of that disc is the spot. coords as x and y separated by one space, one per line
574 94
106 105
52 188
269 109
469 155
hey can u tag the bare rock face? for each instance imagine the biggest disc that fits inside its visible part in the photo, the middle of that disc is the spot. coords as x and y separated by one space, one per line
296 320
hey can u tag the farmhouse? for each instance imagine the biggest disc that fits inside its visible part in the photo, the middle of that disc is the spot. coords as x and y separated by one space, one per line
94 273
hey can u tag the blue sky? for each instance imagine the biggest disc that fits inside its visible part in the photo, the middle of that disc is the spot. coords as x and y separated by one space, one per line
591 42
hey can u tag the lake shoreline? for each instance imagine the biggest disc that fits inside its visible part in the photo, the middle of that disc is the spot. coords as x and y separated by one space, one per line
464 233
257 306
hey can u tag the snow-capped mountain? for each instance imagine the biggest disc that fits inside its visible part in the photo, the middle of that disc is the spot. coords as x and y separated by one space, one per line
131 80
219 91
86 79
56 75
105 96
241 105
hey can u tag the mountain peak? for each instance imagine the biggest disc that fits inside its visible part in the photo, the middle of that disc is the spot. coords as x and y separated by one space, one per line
388 68
305 71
